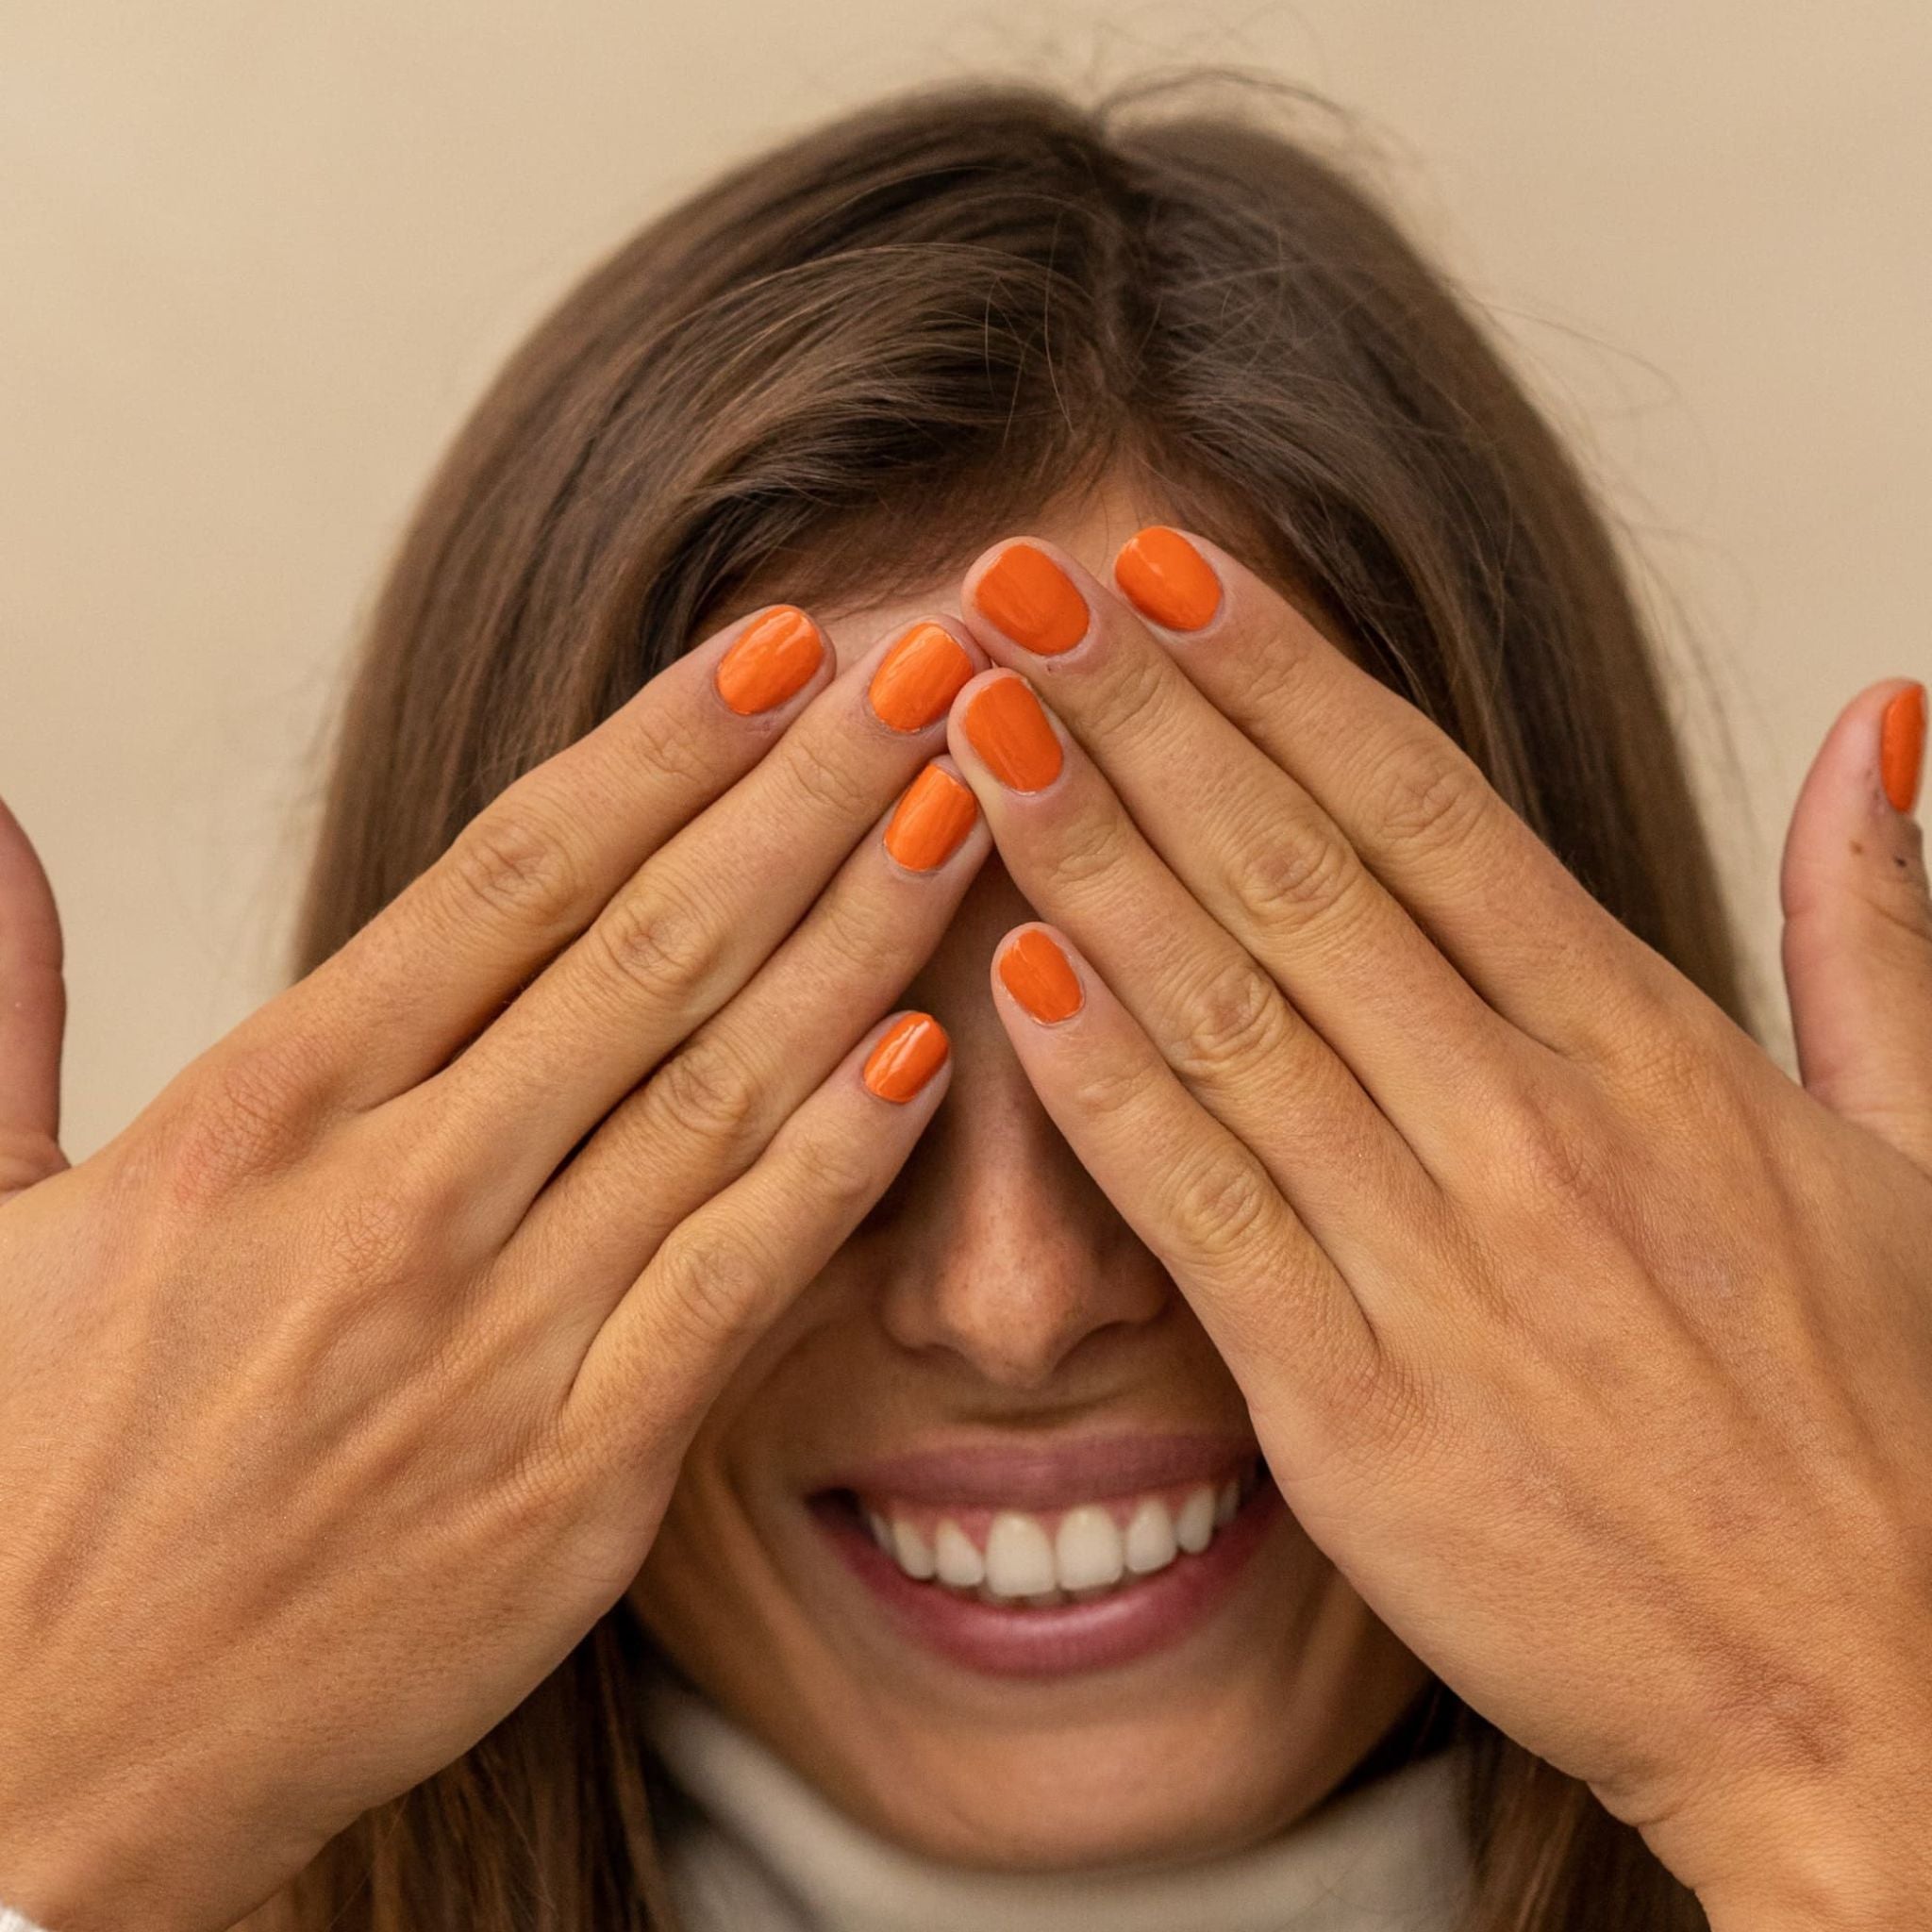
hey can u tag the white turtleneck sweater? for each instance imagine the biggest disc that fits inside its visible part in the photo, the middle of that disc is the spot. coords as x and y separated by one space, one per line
767 1851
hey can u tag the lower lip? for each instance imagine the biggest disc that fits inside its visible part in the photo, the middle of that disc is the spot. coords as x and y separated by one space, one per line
1115 1629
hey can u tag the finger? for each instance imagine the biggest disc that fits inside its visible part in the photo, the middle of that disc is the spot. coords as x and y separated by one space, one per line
1268 1295
727 1272
1214 1012
1858 932
1522 930
678 939
1257 852
531 871
699 1121
33 1014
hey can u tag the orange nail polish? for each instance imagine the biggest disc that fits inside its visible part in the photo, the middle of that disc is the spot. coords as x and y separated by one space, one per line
1007 728
1033 600
1167 579
910 1051
919 677
1902 746
775 658
1040 976
935 813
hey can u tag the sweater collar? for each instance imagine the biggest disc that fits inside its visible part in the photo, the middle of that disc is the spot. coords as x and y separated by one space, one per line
768 1851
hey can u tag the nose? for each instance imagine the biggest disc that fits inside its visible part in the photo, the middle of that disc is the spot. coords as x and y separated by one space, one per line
1013 1259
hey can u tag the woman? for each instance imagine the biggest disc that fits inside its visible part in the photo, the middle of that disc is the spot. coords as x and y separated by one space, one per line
1371 1402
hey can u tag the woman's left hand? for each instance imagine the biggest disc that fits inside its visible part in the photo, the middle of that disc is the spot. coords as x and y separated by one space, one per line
1594 1350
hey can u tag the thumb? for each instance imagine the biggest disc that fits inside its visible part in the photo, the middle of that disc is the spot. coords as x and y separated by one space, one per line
33 1015
1858 933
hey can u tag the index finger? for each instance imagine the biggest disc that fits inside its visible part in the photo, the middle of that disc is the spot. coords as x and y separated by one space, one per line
1498 902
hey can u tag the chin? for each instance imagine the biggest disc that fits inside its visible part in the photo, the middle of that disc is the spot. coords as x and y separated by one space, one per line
1194 1711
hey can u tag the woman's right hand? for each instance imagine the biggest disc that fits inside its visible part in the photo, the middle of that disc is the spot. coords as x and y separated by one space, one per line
344 1388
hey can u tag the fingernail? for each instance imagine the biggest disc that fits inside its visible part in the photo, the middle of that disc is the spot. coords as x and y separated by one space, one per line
935 813
1040 976
1005 726
910 1051
775 658
1164 577
1033 600
919 677
1902 746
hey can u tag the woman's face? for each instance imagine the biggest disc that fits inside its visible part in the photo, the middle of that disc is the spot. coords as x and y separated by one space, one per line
995 1330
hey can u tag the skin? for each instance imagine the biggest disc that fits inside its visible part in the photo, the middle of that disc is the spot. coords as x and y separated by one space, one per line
1595 1350
1592 1349
1003 1287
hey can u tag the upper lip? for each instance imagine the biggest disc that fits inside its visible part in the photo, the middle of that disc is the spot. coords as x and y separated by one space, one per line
1044 1474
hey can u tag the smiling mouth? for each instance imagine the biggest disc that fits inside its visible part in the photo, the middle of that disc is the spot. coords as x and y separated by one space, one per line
1045 1558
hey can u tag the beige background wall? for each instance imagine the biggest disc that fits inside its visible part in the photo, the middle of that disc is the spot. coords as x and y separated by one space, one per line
255 260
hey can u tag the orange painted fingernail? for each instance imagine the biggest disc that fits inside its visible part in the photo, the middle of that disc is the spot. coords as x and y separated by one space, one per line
910 1051
919 677
1033 600
1005 726
1166 578
1901 745
1040 976
775 658
935 813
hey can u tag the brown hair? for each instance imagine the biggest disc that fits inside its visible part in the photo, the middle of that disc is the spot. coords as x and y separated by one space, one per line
843 366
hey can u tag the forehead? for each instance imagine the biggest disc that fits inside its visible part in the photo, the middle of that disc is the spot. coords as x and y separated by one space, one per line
1091 529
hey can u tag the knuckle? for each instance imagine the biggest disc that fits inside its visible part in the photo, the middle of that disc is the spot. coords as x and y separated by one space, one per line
1104 1089
1431 795
709 1092
1670 1047
711 1283
1296 872
663 743
1221 1202
830 784
1547 1144
1091 845
244 1118
1236 1017
386 1218
514 864
851 936
653 941
840 1176
1136 696
1274 667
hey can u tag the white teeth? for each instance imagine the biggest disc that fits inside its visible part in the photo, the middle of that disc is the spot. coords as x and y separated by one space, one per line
1087 1548
1150 1538
1019 1558
1085 1556
959 1562
1195 1526
915 1558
